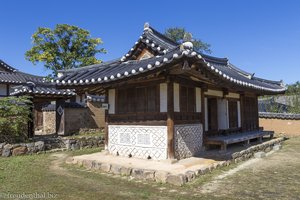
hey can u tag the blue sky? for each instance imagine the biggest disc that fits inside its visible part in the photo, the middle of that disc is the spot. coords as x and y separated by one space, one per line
261 36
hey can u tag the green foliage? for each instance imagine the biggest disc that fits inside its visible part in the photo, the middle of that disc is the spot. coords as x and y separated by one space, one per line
14 118
177 34
64 47
293 89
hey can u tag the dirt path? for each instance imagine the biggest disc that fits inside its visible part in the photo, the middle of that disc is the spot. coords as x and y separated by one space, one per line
215 184
55 166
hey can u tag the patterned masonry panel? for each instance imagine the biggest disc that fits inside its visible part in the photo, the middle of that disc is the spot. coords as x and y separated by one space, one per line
188 140
139 141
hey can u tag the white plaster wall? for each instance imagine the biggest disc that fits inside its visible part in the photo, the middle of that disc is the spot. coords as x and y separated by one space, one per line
139 141
176 98
163 97
198 99
188 140
111 101
223 122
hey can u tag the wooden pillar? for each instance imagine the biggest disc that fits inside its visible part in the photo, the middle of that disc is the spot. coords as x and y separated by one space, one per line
7 90
60 117
31 122
106 121
203 110
256 114
170 119
242 103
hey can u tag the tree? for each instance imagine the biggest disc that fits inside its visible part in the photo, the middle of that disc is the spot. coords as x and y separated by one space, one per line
177 34
65 47
16 110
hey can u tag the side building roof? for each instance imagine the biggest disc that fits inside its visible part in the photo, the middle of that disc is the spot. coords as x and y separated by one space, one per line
28 84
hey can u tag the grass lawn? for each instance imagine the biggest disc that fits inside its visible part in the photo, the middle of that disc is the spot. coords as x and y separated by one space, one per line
274 177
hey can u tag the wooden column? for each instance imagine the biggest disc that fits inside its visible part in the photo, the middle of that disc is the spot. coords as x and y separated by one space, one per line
203 110
170 119
7 90
30 123
257 116
106 121
242 103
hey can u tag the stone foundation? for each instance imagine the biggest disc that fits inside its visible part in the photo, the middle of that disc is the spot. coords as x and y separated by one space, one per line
174 178
138 141
188 140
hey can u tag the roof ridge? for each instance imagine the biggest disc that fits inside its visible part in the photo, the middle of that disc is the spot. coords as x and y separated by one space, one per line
163 36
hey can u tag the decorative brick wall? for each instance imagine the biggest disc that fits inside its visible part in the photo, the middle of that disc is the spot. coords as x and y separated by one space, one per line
138 141
188 140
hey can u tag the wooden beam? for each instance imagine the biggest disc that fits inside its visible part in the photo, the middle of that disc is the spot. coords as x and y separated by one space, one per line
170 119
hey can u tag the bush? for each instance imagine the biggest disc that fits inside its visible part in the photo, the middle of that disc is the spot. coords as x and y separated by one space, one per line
14 118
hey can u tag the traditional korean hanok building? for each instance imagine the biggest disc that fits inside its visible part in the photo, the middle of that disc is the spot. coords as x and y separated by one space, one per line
166 100
14 82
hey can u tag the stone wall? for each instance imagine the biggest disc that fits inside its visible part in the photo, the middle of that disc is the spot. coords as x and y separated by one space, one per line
49 122
76 118
50 144
288 127
138 141
250 152
188 140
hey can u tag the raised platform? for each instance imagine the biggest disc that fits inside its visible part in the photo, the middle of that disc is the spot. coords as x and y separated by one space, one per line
223 141
169 171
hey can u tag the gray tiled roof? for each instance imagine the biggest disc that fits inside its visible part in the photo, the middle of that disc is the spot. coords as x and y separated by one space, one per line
6 67
168 52
29 84
43 89
279 115
19 78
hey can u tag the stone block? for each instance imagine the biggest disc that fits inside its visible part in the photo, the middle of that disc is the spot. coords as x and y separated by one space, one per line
2 145
235 155
161 176
177 180
268 149
105 167
115 169
148 175
203 170
137 173
6 152
19 151
39 146
8 146
277 147
97 166
260 155
126 171
88 164
190 175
